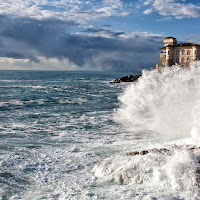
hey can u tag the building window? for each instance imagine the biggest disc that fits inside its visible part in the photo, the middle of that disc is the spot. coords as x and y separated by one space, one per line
183 52
188 60
182 60
177 60
188 52
177 52
168 52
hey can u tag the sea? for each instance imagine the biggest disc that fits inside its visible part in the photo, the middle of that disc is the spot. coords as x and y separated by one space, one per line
71 135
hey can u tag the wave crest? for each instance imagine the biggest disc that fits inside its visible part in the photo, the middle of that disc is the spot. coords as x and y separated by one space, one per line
166 102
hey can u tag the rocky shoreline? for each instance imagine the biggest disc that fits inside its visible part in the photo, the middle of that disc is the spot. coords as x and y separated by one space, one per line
162 150
129 78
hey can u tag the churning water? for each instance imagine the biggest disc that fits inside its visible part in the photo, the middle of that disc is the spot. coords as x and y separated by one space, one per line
66 135
161 110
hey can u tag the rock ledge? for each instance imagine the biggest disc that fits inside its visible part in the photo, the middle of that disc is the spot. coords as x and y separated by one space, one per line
129 78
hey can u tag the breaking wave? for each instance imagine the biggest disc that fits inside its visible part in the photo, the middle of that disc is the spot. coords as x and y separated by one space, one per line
166 105
166 102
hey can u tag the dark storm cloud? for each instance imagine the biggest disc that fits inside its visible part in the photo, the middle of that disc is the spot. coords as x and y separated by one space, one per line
31 38
104 31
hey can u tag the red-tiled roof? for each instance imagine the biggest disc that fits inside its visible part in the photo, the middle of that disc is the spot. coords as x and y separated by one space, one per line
181 44
185 44
170 37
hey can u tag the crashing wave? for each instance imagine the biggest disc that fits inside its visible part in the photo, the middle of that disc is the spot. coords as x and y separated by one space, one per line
166 103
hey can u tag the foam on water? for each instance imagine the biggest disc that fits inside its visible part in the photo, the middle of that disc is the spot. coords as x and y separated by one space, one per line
168 175
79 101
54 134
166 105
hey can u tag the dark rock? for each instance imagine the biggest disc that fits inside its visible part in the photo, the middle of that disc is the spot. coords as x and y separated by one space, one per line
162 151
129 78
144 152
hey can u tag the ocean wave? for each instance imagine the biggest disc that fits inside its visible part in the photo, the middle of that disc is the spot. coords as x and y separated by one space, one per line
15 102
174 174
165 102
166 106
78 101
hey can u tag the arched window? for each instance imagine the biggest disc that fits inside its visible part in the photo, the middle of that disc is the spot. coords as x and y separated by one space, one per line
183 52
188 52
188 60
168 52
177 60
182 60
177 52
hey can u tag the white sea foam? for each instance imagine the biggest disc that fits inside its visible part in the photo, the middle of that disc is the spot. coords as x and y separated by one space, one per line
23 86
79 101
38 101
16 102
166 105
11 102
170 175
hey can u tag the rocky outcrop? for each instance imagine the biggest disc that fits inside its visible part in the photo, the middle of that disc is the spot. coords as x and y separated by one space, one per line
162 150
129 78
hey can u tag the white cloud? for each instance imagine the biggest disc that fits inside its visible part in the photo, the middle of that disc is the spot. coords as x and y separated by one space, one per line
147 2
148 11
62 9
193 38
174 8
108 33
12 60
42 64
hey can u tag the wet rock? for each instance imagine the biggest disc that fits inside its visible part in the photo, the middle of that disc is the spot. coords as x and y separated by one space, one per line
129 78
144 152
162 151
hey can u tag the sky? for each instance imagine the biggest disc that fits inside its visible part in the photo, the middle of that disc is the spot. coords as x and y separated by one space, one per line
113 35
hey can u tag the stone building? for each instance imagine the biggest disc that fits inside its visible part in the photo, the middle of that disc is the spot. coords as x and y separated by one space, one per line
182 53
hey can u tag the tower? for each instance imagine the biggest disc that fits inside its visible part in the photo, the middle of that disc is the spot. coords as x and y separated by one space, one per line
170 41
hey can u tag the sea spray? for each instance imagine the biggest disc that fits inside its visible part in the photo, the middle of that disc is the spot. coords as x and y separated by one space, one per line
165 104
160 175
